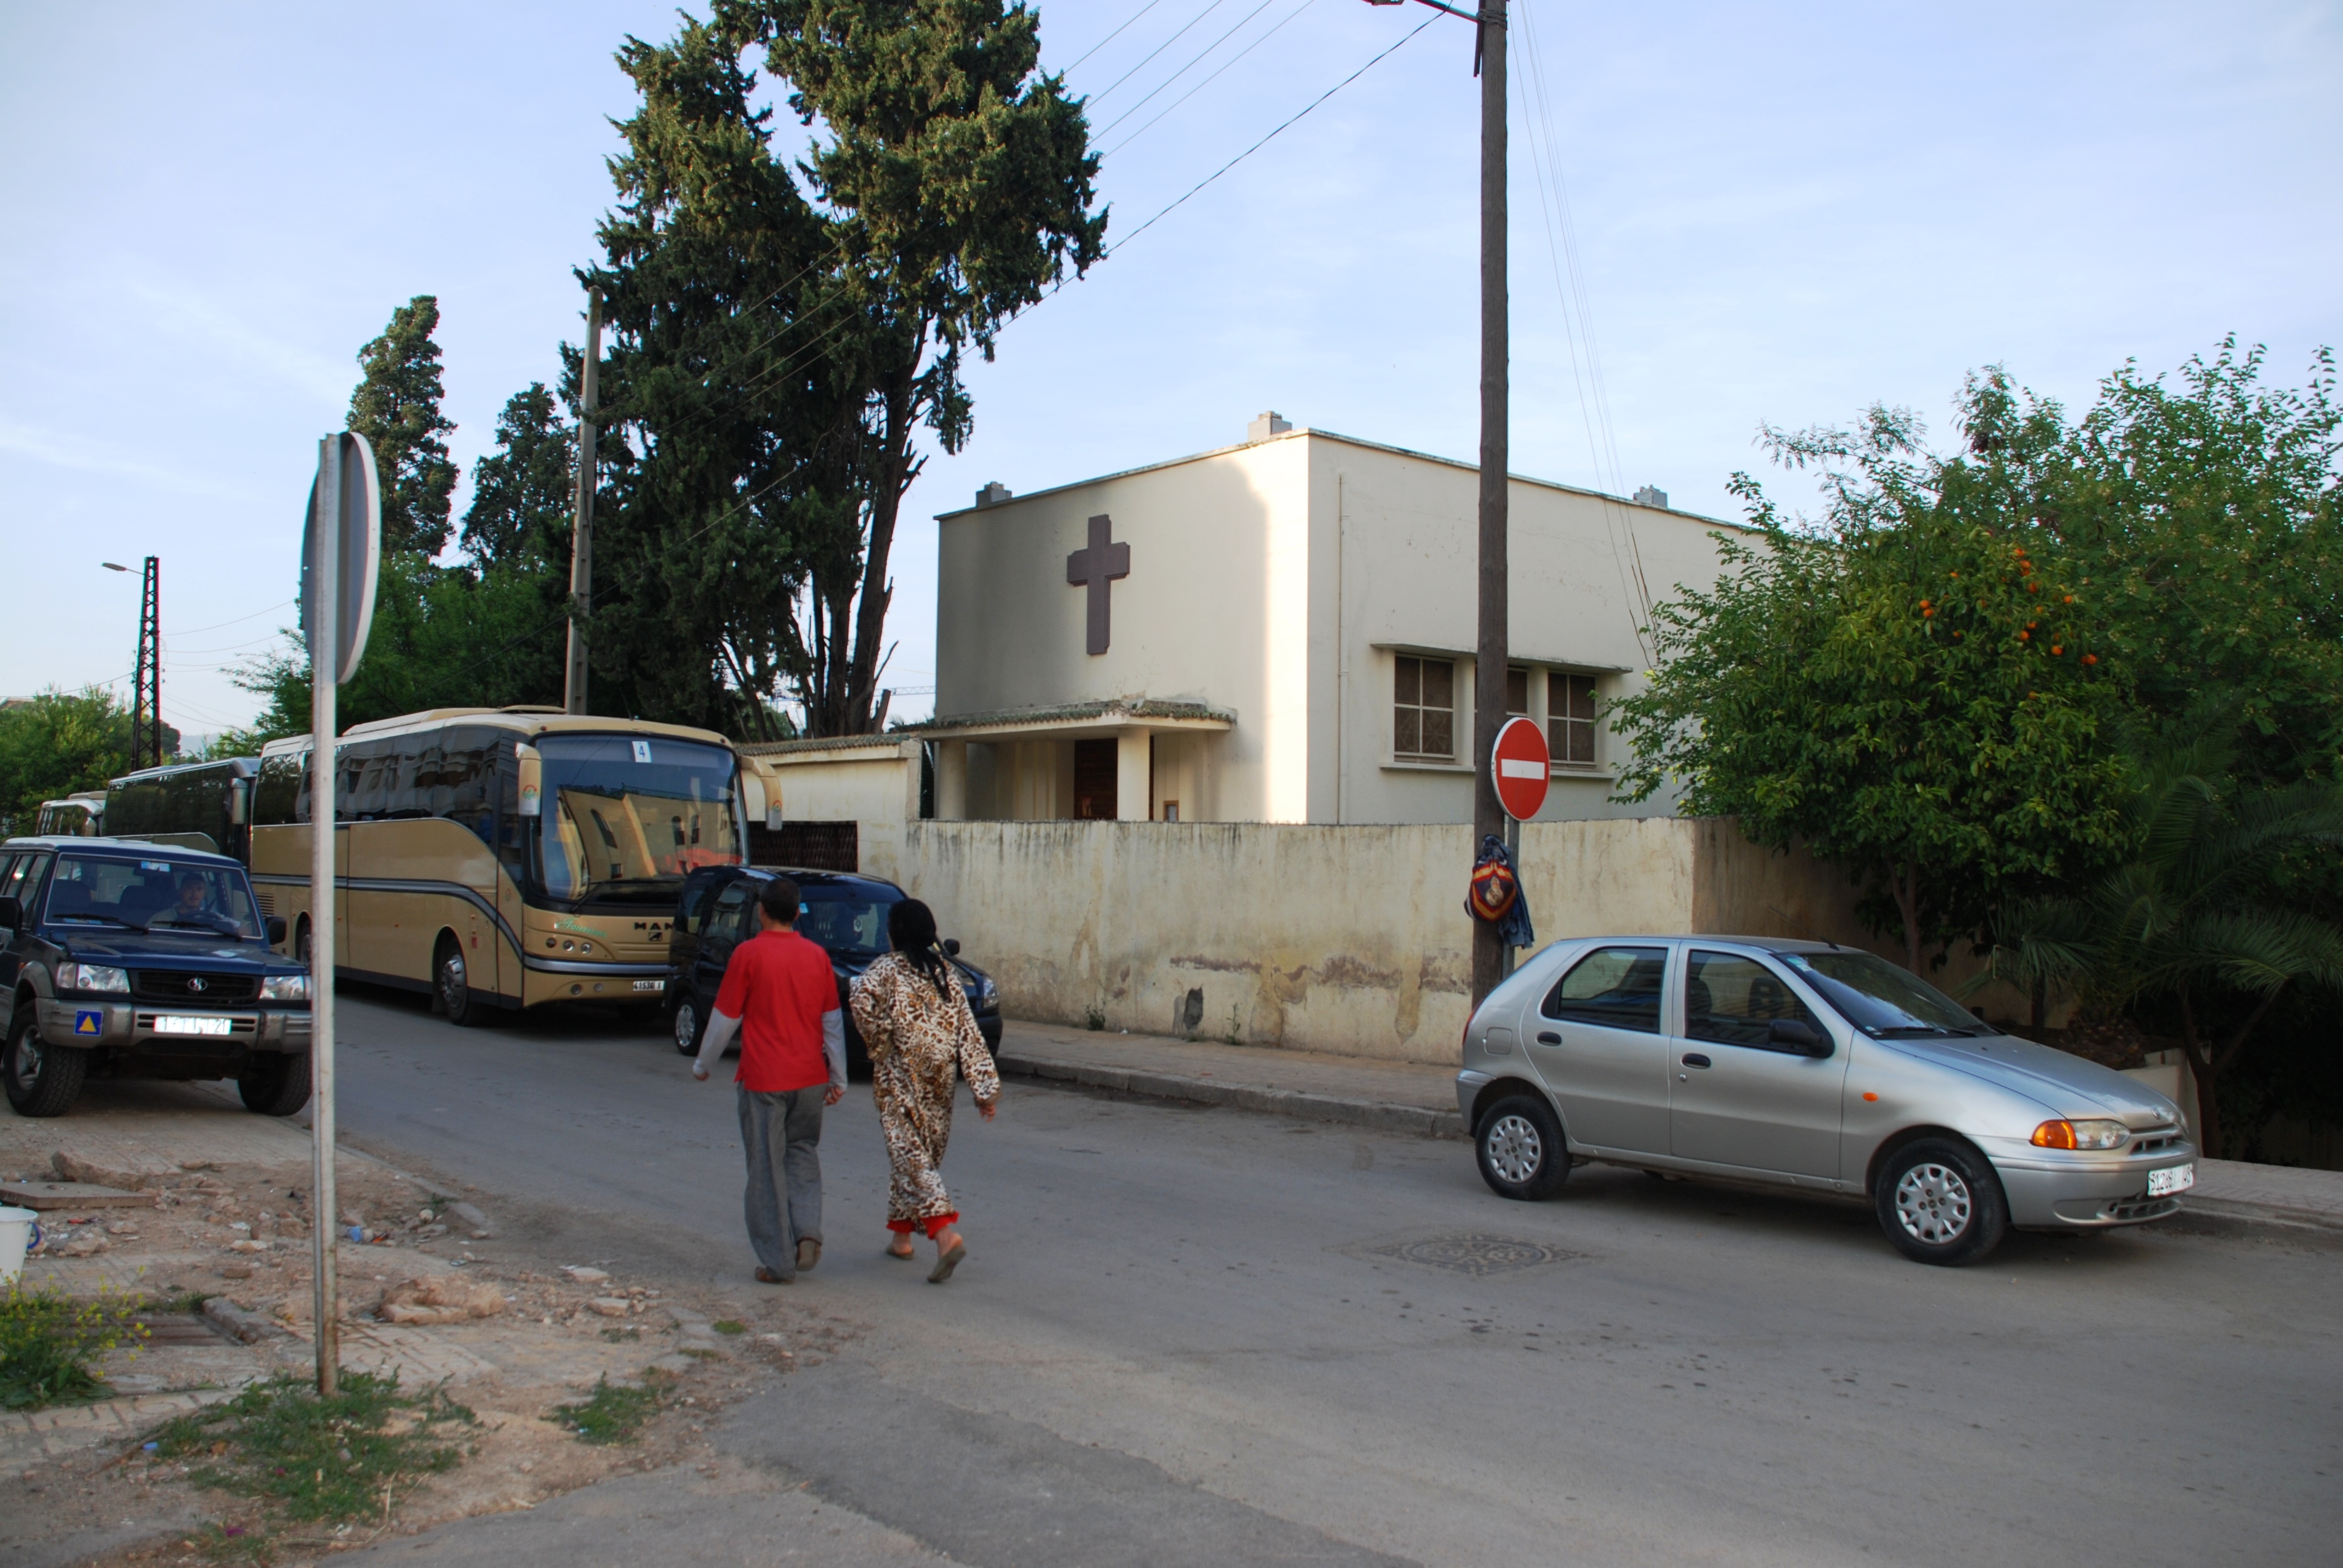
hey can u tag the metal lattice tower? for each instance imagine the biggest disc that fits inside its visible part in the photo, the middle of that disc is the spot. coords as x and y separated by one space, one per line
146 691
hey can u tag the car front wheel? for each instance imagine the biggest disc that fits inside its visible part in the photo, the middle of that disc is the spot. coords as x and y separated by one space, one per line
1940 1202
690 1024
1520 1149
44 1080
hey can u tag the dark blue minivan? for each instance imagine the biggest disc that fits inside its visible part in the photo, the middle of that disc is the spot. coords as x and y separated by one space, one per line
130 960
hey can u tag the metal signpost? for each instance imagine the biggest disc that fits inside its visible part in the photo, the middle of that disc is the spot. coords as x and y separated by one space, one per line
1524 771
341 552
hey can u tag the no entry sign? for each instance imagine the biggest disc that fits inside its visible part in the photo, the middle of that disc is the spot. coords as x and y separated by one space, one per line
1522 767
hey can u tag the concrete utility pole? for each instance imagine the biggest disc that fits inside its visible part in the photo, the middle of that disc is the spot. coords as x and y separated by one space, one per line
581 537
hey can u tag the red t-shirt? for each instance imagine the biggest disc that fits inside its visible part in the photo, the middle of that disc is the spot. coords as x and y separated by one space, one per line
778 985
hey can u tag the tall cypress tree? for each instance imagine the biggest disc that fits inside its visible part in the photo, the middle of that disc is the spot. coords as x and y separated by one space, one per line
522 492
396 408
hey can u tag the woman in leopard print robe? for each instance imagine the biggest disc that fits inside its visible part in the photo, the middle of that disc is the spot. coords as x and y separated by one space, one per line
915 1023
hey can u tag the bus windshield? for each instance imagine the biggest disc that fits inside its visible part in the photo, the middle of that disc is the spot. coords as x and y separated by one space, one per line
629 818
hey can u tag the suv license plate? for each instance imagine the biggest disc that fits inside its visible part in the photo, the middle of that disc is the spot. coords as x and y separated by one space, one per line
171 1023
650 985
2163 1184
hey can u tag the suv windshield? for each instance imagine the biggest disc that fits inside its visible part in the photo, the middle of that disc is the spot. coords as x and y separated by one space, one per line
845 921
629 817
161 893
1880 999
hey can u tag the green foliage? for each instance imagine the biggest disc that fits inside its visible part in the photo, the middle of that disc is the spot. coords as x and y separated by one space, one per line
396 408
47 1343
611 1414
58 743
319 1459
523 492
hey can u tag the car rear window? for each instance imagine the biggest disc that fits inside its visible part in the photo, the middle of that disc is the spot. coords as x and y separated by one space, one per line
1615 988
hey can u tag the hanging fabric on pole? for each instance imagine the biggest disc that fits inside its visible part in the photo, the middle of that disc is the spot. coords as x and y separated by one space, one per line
1497 897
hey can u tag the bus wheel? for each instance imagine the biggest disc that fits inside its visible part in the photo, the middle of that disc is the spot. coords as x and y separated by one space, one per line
451 988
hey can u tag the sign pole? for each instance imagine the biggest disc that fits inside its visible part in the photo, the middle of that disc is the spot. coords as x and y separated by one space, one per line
325 645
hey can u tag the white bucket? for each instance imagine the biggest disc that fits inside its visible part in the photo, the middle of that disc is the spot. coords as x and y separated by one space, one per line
16 1241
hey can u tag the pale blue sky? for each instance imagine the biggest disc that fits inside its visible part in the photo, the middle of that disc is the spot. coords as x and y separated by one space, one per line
1782 212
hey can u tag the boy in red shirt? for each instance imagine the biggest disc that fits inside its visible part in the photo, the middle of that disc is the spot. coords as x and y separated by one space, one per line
779 996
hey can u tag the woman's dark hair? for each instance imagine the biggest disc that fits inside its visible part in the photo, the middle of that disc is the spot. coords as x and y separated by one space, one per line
912 931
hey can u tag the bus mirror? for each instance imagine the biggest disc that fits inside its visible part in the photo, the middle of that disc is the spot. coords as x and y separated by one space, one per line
532 779
239 801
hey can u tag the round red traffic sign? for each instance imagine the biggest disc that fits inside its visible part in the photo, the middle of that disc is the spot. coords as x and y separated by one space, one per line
1524 767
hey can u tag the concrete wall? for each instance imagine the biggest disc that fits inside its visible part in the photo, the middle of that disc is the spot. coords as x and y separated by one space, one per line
847 783
1350 941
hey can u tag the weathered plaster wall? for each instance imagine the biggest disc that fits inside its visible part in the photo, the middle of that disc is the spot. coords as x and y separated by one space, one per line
1351 940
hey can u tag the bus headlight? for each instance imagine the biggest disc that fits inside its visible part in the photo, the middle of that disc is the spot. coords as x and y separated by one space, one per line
94 977
285 988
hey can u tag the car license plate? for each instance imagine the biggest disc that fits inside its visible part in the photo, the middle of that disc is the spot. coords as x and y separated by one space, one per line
2163 1184
650 985
172 1023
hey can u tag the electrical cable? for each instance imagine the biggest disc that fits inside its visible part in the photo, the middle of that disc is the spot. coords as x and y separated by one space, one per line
1200 86
1126 76
1194 61
1110 37
238 620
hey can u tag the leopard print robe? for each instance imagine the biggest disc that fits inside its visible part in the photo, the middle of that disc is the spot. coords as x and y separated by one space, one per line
916 1039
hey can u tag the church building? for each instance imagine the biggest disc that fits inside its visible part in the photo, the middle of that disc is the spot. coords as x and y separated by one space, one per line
1281 631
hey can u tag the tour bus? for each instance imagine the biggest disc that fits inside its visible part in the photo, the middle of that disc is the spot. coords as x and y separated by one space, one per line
80 815
191 805
504 857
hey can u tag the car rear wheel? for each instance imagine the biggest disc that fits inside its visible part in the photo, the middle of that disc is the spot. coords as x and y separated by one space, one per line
276 1083
1940 1202
452 986
1519 1148
690 1024
44 1080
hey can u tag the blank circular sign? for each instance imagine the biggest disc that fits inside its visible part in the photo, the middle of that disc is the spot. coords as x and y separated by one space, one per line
1524 767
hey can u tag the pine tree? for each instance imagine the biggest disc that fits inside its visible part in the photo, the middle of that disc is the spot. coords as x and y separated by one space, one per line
522 493
396 407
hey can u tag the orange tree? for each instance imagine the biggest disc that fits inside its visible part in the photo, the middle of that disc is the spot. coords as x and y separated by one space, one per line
1915 687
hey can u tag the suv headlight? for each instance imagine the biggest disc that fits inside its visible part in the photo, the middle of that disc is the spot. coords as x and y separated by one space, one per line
285 988
987 994
2091 1134
94 977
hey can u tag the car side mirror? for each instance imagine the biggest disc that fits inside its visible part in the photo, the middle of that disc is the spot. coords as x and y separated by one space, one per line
951 946
276 928
12 914
1799 1035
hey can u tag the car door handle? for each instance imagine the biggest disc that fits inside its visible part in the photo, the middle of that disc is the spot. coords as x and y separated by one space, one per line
1694 1059
1547 1037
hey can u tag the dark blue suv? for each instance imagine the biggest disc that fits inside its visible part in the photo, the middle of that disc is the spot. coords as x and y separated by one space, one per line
843 913
129 959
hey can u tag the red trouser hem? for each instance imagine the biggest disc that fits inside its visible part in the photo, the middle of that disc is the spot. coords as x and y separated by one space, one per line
933 1227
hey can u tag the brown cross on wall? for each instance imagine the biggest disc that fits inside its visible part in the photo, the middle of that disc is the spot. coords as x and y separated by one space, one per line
1093 569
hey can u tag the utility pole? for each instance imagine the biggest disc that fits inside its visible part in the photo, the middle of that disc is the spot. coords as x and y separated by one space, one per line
1490 957
581 535
147 684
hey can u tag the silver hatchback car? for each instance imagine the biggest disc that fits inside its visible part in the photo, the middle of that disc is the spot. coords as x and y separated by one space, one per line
1810 1068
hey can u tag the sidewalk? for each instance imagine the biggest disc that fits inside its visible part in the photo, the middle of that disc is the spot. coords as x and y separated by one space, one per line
1407 1097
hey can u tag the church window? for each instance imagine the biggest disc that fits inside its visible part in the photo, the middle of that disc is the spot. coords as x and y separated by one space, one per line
1424 717
1570 719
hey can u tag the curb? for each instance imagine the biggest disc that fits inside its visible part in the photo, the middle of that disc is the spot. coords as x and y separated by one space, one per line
1382 1115
2225 1217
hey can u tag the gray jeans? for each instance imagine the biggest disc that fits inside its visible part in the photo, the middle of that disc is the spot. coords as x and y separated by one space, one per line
781 1134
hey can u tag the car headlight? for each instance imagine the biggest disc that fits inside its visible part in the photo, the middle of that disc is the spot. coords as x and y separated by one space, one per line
94 977
986 994
2091 1134
285 988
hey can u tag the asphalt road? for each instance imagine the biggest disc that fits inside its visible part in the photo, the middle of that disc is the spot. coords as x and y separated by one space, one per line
1208 1336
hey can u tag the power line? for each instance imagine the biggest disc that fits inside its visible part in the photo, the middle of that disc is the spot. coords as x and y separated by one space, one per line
1264 141
1193 62
1207 81
239 620
1126 76
1110 37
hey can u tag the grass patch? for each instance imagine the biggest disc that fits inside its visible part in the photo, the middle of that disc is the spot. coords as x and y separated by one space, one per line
609 1414
341 1458
730 1326
619 1336
47 1341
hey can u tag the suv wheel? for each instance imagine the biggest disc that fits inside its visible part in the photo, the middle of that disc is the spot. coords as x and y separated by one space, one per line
690 1024
1519 1148
44 1080
276 1083
1940 1202
452 986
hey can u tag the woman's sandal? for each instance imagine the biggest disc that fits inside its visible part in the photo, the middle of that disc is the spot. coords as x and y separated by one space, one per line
947 1262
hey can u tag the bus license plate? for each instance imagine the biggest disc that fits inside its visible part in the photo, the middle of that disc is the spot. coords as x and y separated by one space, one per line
2163 1184
650 985
169 1023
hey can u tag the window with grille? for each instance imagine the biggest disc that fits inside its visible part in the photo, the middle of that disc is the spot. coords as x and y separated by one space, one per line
1424 708
1570 719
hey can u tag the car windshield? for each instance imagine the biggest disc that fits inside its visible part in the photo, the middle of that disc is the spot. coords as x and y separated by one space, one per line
1881 999
629 818
162 893
845 921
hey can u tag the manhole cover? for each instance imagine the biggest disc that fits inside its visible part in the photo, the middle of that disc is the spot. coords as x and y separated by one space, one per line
1473 1255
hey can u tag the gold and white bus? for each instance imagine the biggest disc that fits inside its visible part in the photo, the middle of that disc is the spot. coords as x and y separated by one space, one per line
503 858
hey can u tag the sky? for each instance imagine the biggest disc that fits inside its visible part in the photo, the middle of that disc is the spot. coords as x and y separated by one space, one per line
1775 214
